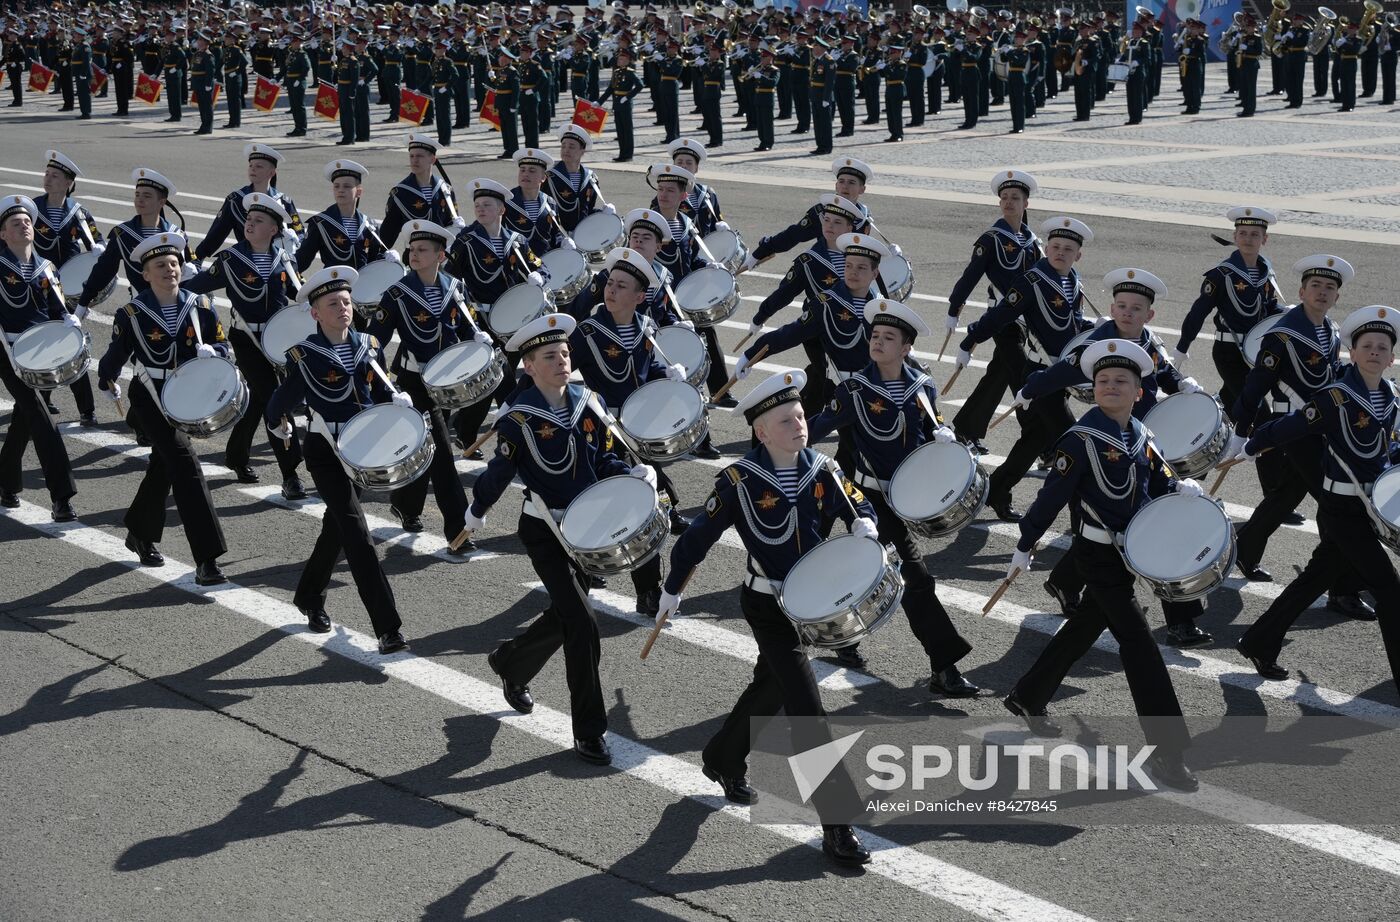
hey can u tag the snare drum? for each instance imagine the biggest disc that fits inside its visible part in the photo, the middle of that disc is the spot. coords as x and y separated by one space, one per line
1084 393
1117 72
1190 431
204 396
686 348
1255 338
898 275
1182 546
50 355
841 591
517 306
708 296
373 280
597 234
938 489
614 526
728 249
385 446
74 275
463 374
568 276
1385 508
666 419
288 327
1001 68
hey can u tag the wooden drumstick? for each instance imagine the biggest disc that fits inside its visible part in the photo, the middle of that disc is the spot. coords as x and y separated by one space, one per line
734 379
997 422
953 379
472 448
662 619
740 347
1224 469
462 536
944 348
1001 591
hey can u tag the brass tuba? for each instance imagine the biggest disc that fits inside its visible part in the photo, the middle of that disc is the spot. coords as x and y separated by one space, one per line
1272 42
1322 33
1368 21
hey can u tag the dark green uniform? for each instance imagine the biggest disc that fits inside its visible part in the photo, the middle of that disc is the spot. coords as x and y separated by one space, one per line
234 62
506 83
625 87
296 70
202 68
175 66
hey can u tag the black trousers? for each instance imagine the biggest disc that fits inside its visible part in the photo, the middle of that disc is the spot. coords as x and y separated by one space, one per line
1247 82
1005 370
1350 543
718 375
567 622
441 474
1229 361
1045 421
971 93
173 468
262 380
1068 574
30 420
467 421
1320 69
343 528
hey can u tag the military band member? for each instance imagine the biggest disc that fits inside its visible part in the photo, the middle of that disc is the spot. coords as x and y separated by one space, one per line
1251 48
711 80
532 84
443 72
782 499
295 71
1085 69
29 295
573 186
623 88
683 254
970 51
894 70
554 439
506 84
332 372
847 64
160 329
80 71
762 80
1348 47
419 196
530 212
851 178
647 232
347 77
262 179
668 102
342 235
234 64
391 74
16 61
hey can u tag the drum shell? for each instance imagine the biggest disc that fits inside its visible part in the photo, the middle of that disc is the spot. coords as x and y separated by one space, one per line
223 418
596 251
671 447
289 314
62 375
1386 530
898 287
405 469
1249 346
709 314
860 618
697 375
1084 393
1205 456
470 390
366 298
735 251
495 318
73 275
1185 588
971 498
631 551
567 292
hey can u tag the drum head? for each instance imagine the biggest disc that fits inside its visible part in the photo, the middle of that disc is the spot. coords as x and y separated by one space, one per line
198 389
46 346
895 272
930 480
457 363
374 280
381 436
1385 496
724 244
661 409
1183 423
1176 536
564 265
831 576
74 273
289 326
608 511
1255 338
598 231
1081 339
516 307
704 288
682 346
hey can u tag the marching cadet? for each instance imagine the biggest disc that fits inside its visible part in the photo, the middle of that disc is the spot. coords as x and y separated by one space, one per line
782 498
262 178
530 212
443 71
29 295
623 88
573 186
428 310
821 90
368 71
894 71
647 232
1108 468
347 76
556 441
847 63
234 63
151 194
162 328
1003 253
175 66
342 235
1355 415
295 69
683 254
260 279
505 82
890 409
122 60
762 80
851 177
532 84
1299 357
335 372
701 202
419 196
80 71
1050 299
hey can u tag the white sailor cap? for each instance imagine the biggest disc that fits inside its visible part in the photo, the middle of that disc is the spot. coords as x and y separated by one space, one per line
853 167
842 207
261 201
262 152
649 220
533 156
166 243
1251 215
340 168
144 176
1324 266
1014 179
658 173
892 313
1376 318
57 160
1114 353
416 139
551 328
1069 228
686 146
427 230
12 205
863 245
327 280
784 387
578 133
490 188
634 264
1139 281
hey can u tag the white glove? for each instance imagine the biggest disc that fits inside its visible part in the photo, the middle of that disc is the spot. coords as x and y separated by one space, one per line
99 248
393 256
282 430
114 392
609 208
474 522
675 372
205 351
670 605
401 399
755 328
722 225
1021 560
944 434
570 245
290 241
1189 487
1179 358
644 472
1189 386
894 248
880 66
741 367
964 358
950 323
864 527
188 271
686 324
1235 448
1021 402
459 222
481 336
534 278
72 320
749 262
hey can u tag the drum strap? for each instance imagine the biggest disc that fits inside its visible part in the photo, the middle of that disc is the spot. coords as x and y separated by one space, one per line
323 427
758 581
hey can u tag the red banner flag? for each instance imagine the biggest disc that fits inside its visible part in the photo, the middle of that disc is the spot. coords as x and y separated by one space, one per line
265 93
194 101
488 113
327 102
413 107
148 89
98 81
40 77
590 116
